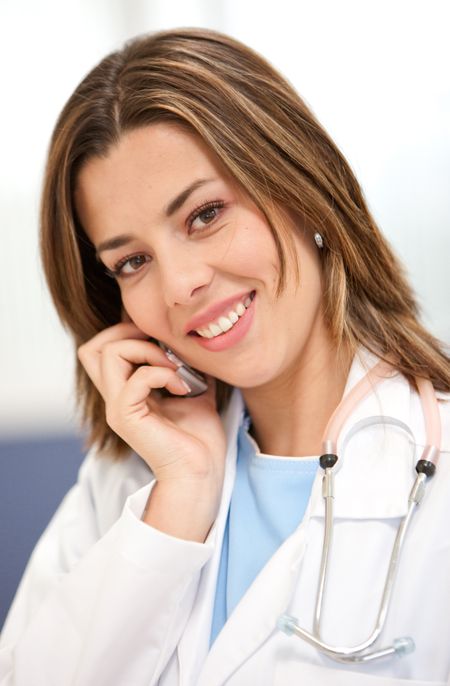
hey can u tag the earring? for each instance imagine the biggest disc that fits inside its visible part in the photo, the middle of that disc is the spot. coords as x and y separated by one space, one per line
319 240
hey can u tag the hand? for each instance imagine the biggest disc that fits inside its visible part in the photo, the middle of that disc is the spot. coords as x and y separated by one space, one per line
181 439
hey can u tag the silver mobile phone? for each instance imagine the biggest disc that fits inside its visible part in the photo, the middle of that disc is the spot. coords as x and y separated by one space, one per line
194 379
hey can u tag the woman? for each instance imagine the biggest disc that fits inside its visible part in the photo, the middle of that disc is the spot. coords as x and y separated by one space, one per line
191 198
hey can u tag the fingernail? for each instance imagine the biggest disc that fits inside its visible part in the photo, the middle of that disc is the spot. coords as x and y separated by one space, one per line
187 387
173 358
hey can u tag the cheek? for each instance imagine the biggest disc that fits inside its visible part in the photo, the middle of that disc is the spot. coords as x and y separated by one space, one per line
252 252
146 312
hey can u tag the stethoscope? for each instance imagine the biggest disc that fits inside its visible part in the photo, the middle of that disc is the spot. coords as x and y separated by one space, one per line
425 468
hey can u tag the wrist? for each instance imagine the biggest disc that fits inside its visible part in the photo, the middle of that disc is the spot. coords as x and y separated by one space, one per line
185 508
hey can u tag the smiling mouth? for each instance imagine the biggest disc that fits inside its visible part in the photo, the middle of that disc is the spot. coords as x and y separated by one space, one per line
226 322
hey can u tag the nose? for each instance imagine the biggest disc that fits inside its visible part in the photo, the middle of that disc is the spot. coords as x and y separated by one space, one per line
183 274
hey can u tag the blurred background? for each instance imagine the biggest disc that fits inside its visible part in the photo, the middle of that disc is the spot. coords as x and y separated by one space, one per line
376 73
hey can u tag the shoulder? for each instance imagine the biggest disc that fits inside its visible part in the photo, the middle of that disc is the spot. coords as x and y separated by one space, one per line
417 418
444 410
399 398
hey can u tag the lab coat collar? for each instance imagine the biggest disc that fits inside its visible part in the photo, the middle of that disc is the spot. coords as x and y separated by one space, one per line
376 466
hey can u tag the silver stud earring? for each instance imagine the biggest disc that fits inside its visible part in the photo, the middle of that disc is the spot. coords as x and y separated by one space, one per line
319 240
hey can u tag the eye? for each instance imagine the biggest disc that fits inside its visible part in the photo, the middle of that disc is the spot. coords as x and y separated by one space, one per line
127 266
204 215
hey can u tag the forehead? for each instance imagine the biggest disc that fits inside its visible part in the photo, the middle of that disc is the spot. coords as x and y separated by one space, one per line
147 166
151 151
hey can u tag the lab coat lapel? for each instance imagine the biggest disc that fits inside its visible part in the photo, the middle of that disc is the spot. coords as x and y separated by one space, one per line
256 615
194 644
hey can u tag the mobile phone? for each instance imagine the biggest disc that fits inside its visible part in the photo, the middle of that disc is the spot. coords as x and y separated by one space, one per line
194 379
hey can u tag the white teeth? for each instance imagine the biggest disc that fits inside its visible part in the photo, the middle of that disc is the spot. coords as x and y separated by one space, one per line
225 324
215 330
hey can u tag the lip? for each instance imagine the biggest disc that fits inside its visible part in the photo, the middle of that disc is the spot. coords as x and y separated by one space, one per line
232 336
214 312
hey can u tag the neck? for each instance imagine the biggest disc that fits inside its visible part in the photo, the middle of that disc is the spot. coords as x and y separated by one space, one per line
289 414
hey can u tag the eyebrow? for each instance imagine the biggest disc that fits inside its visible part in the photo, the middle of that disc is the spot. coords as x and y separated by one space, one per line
171 208
181 198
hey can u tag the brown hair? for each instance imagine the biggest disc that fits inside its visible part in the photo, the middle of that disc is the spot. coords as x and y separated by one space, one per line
270 142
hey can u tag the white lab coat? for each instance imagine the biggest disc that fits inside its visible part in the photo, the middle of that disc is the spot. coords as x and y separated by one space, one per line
108 601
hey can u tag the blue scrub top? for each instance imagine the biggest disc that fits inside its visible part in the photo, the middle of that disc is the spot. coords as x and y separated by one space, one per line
268 502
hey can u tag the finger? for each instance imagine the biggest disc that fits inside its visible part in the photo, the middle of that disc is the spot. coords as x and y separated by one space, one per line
119 359
135 393
90 353
113 333
90 359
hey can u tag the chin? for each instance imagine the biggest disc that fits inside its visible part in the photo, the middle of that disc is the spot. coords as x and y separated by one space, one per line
248 378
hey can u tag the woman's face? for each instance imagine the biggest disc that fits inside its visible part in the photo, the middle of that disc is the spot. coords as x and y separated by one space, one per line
191 252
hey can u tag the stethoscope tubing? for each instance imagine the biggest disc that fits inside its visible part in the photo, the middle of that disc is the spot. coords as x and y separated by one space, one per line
351 653
425 468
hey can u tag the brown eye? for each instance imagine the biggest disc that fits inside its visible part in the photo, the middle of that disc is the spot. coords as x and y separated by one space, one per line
134 263
204 216
130 265
207 215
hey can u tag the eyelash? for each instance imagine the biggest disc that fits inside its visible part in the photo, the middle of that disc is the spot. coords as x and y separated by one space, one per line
215 205
116 272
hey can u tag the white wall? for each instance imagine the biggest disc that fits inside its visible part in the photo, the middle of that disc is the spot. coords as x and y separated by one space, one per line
375 73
